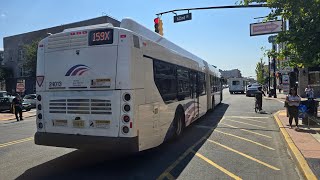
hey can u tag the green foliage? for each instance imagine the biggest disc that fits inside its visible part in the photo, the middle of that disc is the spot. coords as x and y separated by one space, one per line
260 72
303 36
31 57
5 73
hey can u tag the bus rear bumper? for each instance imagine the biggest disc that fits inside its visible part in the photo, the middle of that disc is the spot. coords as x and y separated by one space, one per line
112 144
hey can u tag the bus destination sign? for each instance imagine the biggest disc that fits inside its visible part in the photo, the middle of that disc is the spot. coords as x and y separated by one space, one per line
100 37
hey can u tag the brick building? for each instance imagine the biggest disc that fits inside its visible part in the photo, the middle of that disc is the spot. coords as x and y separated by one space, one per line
14 55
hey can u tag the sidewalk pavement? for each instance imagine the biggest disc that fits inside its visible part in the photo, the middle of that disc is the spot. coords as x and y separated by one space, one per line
6 116
304 145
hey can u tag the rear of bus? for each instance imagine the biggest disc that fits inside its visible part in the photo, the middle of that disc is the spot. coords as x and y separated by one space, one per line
236 85
82 102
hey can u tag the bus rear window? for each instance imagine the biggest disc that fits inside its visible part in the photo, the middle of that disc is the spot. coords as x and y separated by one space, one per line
235 82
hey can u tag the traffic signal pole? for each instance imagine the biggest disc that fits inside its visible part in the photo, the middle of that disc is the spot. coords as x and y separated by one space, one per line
214 7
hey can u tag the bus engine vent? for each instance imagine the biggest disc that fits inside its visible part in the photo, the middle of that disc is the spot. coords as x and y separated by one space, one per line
80 106
65 41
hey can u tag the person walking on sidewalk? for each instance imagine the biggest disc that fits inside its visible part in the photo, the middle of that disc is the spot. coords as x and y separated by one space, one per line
293 101
17 104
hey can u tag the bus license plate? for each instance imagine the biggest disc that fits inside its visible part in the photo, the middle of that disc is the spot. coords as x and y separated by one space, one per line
102 123
78 123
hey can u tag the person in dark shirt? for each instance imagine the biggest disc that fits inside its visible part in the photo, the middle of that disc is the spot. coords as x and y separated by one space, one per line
17 104
258 96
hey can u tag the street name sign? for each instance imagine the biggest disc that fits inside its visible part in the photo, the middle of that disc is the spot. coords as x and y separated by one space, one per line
182 17
270 27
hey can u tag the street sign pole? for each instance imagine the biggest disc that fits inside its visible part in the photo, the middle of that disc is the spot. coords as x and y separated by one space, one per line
274 72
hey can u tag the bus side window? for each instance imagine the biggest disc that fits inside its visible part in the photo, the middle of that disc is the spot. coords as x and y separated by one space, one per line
166 80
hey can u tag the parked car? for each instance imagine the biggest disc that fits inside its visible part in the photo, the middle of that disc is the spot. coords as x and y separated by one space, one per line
26 106
5 104
3 94
30 99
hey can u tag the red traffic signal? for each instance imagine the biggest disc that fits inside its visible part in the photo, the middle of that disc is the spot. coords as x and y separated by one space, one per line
156 25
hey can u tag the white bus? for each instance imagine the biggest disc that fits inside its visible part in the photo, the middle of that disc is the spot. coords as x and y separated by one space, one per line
118 88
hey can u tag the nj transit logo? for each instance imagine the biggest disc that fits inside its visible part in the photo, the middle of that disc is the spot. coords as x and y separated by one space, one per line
77 70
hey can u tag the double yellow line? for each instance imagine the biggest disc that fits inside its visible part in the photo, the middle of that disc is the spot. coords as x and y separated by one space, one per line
16 142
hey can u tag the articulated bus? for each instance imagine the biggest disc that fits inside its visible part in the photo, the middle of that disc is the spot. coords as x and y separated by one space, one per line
119 88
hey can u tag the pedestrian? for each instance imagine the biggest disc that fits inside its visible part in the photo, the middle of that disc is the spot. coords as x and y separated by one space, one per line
17 104
293 101
309 92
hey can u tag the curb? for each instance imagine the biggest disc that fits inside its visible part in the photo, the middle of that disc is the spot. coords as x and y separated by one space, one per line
295 152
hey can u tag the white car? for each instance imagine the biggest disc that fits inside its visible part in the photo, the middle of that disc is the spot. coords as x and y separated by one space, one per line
30 99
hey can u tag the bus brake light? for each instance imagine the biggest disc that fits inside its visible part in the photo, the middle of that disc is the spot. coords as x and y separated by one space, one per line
123 36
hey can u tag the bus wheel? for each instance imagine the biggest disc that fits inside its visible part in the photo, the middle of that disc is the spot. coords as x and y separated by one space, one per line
178 123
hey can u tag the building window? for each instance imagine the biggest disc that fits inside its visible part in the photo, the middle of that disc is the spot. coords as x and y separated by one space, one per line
23 72
314 78
21 55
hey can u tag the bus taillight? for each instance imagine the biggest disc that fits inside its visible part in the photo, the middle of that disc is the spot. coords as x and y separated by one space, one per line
39 97
125 129
126 118
127 97
126 108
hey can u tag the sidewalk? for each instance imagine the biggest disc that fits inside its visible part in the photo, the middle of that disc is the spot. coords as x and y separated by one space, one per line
304 145
6 116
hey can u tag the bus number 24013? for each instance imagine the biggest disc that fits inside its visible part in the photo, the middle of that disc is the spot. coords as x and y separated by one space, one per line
55 84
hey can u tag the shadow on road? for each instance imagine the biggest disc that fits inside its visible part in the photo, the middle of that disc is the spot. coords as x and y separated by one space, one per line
149 164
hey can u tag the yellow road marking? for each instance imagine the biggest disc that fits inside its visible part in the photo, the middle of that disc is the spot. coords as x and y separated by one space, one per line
253 120
303 165
250 117
170 177
245 155
247 130
217 166
245 123
189 150
245 139
16 142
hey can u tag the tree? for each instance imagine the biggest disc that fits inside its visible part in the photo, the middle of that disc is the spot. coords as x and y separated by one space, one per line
303 36
5 73
260 72
31 57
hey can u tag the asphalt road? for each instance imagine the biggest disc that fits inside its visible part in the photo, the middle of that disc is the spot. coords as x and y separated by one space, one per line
232 142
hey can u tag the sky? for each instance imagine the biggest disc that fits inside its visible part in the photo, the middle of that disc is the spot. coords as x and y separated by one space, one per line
219 36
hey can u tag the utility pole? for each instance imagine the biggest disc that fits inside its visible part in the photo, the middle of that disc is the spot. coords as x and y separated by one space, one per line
269 77
274 48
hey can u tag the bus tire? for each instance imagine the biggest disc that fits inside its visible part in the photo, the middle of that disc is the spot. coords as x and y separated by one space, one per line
179 122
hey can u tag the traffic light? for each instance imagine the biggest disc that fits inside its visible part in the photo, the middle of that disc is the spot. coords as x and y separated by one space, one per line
158 26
